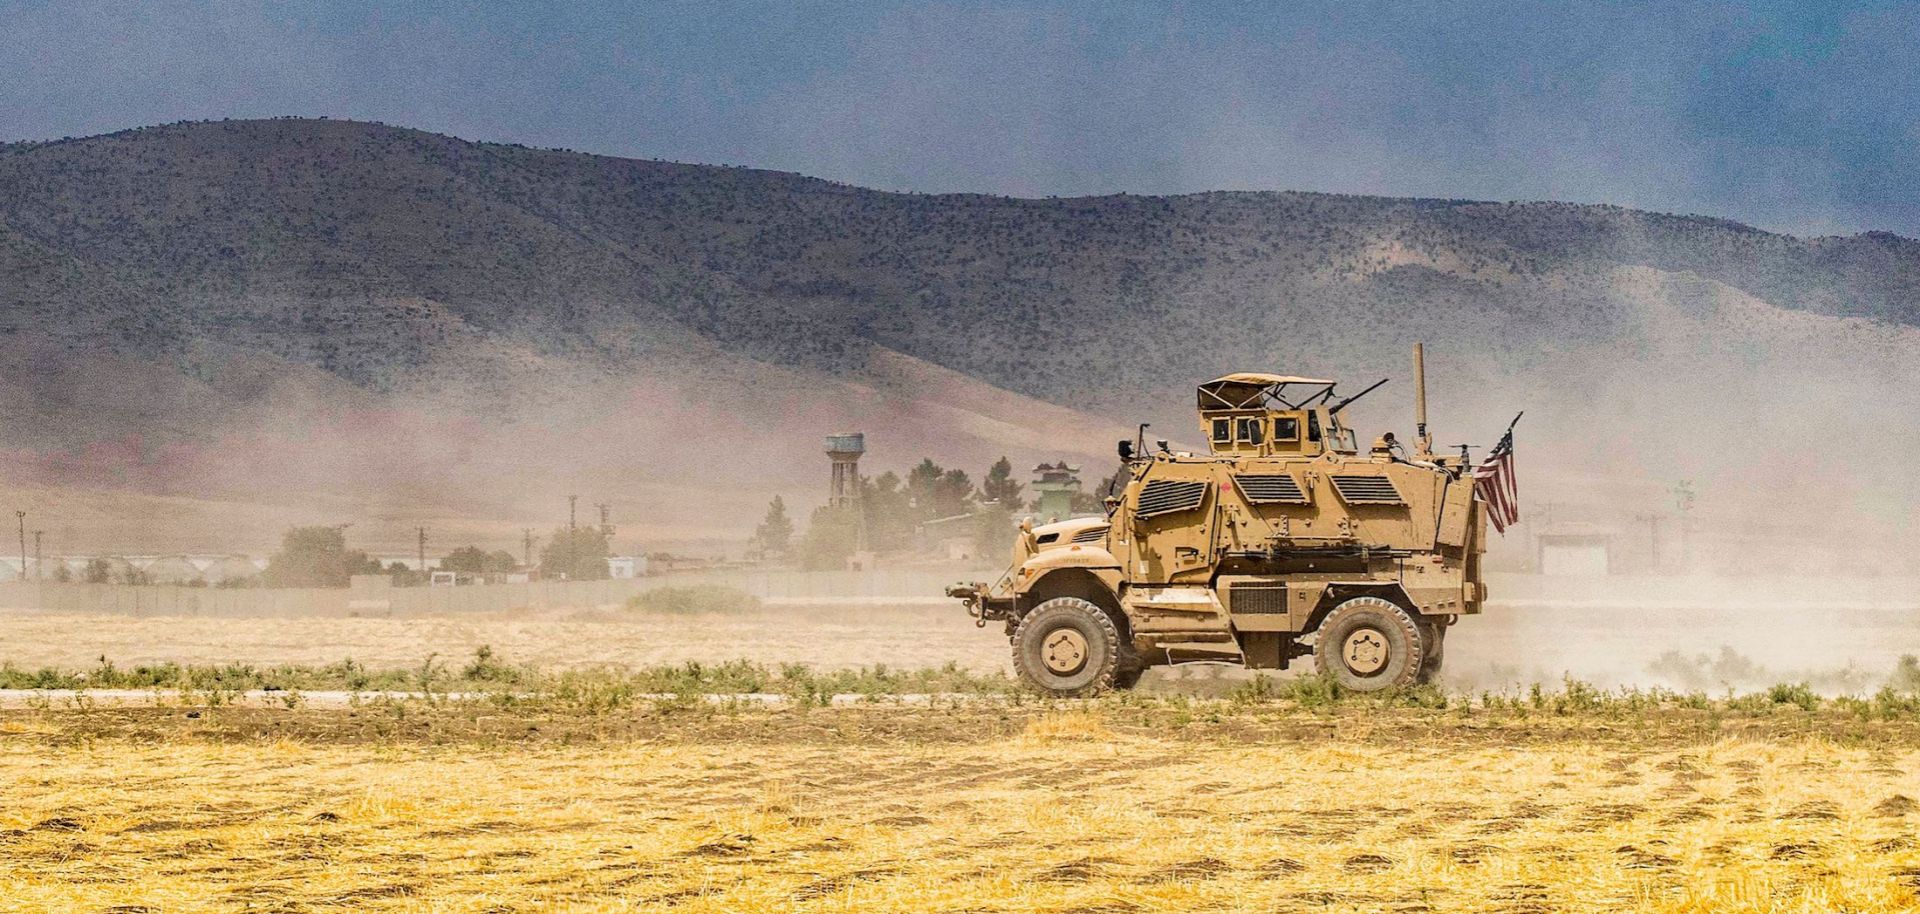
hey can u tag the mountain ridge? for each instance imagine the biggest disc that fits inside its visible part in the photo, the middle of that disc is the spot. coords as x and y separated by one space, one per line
511 284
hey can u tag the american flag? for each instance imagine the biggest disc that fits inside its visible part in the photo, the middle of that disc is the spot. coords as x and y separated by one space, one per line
1494 482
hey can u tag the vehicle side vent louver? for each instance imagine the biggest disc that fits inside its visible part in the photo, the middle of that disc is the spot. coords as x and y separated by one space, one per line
1367 490
1267 599
1277 489
1091 535
1165 496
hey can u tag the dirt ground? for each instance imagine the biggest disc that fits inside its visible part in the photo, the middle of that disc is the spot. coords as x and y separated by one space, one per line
824 636
1105 807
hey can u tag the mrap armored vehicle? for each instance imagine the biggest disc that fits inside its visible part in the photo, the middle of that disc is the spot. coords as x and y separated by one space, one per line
1284 539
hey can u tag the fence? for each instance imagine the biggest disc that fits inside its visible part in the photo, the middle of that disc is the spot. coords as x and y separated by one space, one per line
895 588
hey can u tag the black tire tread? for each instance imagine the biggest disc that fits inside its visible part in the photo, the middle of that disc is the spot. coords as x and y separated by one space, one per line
1323 651
1052 609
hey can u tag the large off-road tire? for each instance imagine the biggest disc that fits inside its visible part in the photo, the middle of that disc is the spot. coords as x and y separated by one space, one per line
1435 633
1068 648
1368 644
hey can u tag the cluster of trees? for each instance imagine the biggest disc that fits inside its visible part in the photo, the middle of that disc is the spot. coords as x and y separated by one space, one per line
99 571
579 554
892 507
320 557
317 557
475 560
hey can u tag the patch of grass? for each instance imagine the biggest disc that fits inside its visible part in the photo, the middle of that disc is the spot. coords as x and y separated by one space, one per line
488 677
694 599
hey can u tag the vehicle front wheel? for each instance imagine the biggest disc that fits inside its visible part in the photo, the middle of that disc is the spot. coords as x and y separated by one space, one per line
1067 648
1368 644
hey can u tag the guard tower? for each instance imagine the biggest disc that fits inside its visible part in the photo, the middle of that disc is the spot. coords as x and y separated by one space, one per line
845 451
1056 485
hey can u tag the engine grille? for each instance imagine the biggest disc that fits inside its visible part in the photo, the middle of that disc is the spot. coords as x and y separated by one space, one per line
1091 535
1278 489
1263 599
1166 496
1367 490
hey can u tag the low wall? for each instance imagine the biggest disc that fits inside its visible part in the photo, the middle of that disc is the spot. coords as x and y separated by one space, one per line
791 588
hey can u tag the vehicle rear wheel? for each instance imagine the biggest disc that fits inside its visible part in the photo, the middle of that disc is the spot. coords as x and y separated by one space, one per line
1368 644
1435 633
1067 648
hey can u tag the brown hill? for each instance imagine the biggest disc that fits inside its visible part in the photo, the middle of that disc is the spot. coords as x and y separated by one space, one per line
343 321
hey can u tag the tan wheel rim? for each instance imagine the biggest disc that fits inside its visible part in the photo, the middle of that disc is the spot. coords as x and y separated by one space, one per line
1064 651
1365 652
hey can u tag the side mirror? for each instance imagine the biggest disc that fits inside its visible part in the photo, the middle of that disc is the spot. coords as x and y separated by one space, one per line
1161 443
1126 449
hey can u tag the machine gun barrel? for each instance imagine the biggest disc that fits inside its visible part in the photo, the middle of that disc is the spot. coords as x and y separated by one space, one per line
1343 404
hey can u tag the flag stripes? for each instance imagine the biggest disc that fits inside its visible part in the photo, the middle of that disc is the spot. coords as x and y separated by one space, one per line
1494 483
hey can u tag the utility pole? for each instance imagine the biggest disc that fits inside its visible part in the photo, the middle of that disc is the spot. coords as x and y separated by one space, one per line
22 515
527 544
39 558
606 527
573 534
1683 501
423 552
1653 539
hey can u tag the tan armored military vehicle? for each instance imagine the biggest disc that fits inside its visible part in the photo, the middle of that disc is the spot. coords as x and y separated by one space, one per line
1283 540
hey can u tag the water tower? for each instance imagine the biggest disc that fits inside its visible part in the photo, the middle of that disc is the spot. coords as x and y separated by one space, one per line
845 451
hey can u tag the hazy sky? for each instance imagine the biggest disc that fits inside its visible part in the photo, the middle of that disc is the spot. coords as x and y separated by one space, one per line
1796 116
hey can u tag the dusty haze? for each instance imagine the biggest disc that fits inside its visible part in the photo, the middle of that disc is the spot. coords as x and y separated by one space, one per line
216 331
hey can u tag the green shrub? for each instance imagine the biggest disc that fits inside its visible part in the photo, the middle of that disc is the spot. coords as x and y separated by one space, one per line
1798 694
485 668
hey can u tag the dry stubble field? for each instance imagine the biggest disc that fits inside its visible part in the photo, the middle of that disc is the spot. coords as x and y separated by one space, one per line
1129 804
1110 806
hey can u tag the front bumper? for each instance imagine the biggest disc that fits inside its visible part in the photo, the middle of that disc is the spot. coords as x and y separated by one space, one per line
981 603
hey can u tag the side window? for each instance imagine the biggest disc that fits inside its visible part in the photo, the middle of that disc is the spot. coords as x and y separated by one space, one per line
1251 430
1313 426
1286 428
1222 431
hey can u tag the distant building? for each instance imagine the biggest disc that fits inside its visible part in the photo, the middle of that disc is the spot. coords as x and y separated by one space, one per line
1574 550
409 561
954 538
168 569
623 567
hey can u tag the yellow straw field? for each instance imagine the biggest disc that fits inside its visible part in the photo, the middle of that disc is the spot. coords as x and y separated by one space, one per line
982 808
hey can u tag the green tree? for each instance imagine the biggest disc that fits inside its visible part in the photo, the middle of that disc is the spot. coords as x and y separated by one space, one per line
998 527
316 557
938 492
579 554
832 534
889 512
97 571
1095 501
1000 487
775 534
